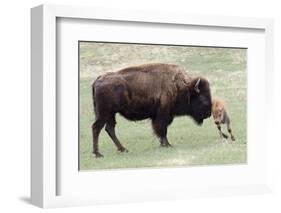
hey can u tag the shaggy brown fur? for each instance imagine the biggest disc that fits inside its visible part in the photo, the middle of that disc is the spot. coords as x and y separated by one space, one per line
220 117
156 91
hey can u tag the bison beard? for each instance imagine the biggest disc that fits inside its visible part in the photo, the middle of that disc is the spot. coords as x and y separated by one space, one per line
156 91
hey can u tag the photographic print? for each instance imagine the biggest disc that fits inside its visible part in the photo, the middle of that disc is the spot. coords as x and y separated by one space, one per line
152 105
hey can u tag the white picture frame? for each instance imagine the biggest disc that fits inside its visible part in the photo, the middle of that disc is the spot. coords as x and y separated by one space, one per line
44 150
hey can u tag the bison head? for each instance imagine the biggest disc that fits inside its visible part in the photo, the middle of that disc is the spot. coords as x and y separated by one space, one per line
200 100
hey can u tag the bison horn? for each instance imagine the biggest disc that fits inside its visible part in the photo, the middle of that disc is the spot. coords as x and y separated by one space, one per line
196 87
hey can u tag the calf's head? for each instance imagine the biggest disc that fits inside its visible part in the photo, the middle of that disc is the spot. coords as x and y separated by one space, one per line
217 111
200 100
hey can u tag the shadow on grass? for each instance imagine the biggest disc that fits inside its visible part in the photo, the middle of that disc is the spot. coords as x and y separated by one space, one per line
25 199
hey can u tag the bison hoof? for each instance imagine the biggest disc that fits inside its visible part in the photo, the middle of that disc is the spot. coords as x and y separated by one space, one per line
122 149
98 155
165 145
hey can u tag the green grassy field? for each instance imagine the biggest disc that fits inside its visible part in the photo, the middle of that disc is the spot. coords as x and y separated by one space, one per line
225 69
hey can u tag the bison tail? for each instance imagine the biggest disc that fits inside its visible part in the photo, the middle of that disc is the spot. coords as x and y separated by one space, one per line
93 94
93 97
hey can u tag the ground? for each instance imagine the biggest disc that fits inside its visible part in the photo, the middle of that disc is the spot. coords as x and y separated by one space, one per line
225 68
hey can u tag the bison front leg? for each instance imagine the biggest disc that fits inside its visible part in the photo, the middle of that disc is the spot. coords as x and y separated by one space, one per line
160 126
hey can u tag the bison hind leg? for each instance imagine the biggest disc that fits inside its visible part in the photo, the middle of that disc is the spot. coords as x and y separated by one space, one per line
96 128
110 129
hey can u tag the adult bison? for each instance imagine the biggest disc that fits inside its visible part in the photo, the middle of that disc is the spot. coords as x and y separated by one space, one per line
156 91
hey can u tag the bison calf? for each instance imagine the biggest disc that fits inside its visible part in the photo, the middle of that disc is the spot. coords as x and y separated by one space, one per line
220 116
152 91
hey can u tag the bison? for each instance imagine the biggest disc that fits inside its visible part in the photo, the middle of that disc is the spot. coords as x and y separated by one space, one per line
220 117
151 91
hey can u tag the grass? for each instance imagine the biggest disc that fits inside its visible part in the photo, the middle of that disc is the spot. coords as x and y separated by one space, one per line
225 68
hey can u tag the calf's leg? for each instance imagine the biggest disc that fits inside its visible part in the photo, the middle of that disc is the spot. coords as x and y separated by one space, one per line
110 129
230 132
220 132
